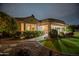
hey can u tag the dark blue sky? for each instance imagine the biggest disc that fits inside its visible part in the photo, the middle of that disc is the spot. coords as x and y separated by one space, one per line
67 12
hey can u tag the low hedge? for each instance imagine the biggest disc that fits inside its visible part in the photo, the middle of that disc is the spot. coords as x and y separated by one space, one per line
32 34
26 34
61 35
5 35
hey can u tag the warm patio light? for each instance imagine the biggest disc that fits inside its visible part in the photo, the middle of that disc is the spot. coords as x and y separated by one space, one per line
22 27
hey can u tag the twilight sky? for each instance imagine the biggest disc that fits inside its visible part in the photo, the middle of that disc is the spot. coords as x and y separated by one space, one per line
67 12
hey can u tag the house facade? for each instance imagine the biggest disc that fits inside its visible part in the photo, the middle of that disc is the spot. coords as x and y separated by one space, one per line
31 24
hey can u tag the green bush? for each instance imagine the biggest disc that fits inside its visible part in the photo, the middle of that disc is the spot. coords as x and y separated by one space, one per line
70 28
7 23
18 35
61 34
32 34
69 31
53 33
6 34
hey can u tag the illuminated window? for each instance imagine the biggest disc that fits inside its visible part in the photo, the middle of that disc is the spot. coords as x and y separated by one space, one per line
44 28
33 27
27 27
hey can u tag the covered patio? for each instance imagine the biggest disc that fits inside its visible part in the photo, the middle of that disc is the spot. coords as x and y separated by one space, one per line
32 24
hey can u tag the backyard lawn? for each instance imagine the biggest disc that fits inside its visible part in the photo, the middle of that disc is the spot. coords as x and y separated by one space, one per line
67 46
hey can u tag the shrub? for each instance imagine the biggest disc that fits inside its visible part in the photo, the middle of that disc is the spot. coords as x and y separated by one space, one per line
5 35
53 34
69 31
32 34
18 34
7 23
70 34
61 34
0 35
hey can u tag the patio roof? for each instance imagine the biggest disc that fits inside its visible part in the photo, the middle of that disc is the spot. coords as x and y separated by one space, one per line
52 20
32 19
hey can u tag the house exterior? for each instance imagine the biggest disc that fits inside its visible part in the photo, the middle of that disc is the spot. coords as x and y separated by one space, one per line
31 24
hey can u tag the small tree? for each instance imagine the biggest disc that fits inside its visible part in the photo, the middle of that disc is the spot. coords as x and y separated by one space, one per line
7 23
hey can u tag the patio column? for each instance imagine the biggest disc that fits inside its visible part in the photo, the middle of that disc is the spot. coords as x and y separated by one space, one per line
37 25
49 28
24 26
29 27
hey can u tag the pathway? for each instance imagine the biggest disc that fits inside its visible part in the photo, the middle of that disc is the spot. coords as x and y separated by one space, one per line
31 44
